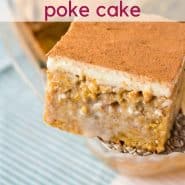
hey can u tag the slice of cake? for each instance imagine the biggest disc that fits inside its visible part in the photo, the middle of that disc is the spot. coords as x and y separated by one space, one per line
117 81
41 36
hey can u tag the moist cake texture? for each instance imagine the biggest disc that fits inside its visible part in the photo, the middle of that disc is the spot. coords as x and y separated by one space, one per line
117 81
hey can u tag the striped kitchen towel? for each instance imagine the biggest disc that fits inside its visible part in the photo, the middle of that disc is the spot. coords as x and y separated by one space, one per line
32 153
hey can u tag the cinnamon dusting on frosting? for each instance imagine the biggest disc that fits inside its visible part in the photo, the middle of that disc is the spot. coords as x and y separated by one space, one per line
154 50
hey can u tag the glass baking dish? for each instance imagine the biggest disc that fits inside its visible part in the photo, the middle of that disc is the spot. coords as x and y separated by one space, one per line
134 165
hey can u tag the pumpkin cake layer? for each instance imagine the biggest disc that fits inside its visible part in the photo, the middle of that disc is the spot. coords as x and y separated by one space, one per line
117 81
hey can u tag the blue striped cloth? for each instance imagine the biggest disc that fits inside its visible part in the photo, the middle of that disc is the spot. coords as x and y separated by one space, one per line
32 153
